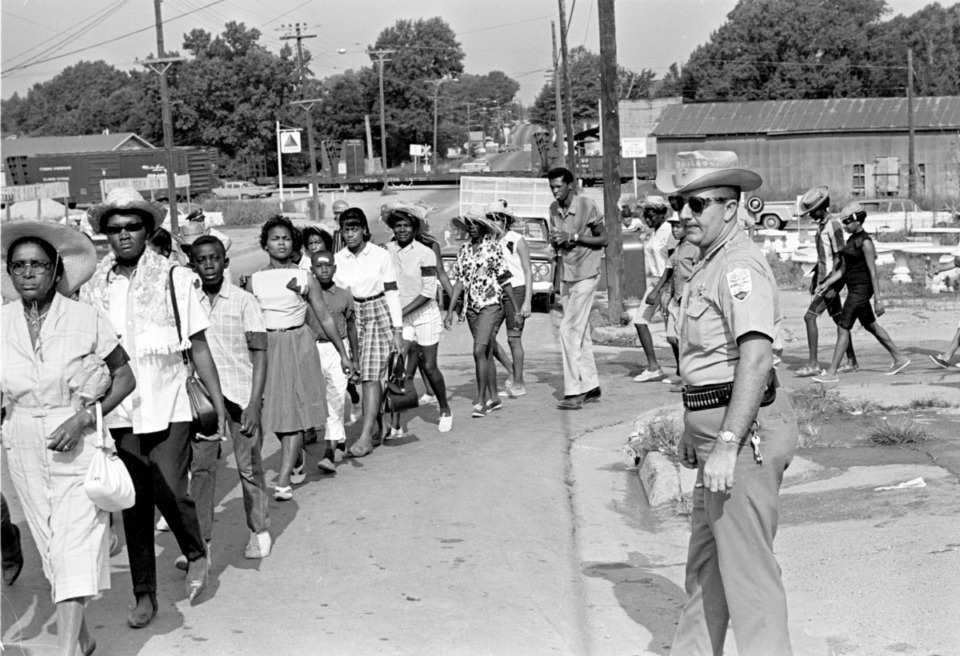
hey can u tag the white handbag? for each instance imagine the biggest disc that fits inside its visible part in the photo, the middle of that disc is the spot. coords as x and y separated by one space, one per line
108 483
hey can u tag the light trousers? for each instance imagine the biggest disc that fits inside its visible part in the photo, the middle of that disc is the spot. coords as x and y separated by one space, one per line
336 390
576 343
732 573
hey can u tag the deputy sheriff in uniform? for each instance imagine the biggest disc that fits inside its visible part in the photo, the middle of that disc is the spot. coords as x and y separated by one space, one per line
739 432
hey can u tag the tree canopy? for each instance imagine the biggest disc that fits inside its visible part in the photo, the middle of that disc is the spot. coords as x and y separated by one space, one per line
778 49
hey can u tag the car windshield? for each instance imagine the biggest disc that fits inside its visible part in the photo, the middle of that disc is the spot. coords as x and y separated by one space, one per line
529 229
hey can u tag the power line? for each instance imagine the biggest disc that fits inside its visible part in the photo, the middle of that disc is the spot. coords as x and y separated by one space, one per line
103 43
69 33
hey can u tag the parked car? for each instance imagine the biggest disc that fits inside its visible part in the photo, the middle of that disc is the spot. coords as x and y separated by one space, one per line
536 232
893 214
242 190
772 215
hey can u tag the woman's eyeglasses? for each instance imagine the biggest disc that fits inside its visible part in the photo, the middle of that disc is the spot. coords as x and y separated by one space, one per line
696 204
130 228
20 267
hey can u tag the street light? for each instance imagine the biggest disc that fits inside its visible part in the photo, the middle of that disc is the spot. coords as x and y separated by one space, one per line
436 95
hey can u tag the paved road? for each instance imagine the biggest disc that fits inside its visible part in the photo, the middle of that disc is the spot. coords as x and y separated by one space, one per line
517 160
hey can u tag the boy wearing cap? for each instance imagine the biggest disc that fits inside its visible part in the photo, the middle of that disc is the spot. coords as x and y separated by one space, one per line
738 431
655 253
340 303
238 342
416 267
829 240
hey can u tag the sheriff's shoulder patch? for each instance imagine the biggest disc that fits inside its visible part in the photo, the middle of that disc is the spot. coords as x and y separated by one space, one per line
740 283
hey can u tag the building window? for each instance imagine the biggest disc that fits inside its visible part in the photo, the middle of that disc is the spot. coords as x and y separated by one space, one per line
922 176
859 180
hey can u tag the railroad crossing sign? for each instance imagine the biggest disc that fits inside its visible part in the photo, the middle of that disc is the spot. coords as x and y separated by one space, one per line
290 141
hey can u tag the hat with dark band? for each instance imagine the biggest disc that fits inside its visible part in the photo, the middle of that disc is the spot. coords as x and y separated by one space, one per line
701 169
814 199
122 200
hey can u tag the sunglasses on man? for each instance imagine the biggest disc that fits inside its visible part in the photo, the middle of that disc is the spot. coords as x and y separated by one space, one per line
129 228
695 203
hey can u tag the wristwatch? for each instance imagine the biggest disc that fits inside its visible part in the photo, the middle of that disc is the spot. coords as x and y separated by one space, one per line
576 237
727 437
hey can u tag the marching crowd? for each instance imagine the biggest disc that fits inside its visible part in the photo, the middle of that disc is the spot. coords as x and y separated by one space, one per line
319 338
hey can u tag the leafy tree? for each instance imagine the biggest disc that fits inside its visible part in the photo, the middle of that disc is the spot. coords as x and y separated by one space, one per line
86 98
585 89
424 50
773 49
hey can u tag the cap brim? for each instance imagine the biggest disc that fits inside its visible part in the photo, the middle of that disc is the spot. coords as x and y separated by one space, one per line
743 179
76 249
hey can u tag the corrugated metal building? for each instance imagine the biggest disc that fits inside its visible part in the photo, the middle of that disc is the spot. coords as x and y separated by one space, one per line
857 146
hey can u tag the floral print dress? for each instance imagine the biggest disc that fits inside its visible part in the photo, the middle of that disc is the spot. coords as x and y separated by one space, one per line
483 271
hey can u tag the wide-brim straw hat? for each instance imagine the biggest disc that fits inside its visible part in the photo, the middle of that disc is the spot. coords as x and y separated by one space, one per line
415 212
463 223
76 249
190 232
700 169
499 208
814 199
125 199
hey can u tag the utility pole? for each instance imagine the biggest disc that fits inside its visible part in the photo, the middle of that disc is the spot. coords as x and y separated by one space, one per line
307 105
567 94
160 65
556 89
436 96
610 122
381 57
911 154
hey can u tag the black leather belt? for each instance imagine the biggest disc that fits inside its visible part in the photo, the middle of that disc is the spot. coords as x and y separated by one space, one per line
359 299
708 397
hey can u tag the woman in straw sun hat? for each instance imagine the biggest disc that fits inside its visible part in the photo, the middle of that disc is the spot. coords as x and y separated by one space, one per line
60 357
482 275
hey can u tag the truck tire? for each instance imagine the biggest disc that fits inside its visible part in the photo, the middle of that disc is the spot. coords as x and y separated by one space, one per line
755 204
244 196
771 221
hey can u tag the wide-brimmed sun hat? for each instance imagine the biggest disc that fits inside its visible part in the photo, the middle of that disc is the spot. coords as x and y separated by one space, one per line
814 199
499 209
463 223
415 212
189 232
700 169
76 250
125 199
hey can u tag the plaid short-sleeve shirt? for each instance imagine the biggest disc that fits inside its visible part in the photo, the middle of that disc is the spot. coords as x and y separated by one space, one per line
236 328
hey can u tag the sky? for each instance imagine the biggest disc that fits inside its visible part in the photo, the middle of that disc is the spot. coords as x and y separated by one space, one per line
512 36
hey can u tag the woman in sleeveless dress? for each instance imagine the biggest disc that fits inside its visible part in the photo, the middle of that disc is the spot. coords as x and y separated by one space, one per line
293 400
858 270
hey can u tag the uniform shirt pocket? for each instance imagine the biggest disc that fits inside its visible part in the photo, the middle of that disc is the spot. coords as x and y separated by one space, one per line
695 314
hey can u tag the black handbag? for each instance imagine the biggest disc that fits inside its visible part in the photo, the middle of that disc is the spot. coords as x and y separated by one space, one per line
206 423
397 395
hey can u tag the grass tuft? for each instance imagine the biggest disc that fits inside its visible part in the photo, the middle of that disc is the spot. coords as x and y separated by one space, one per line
923 402
663 434
897 432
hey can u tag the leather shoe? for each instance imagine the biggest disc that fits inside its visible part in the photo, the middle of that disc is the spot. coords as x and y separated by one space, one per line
197 577
137 619
592 395
572 402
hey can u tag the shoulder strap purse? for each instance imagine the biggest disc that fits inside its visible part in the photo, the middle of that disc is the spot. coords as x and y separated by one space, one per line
108 483
205 421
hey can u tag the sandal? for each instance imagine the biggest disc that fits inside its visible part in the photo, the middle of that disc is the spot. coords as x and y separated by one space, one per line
494 404
848 368
479 411
281 493
825 379
940 361
806 372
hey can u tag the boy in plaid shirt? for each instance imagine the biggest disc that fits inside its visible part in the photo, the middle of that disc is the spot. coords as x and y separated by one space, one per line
238 342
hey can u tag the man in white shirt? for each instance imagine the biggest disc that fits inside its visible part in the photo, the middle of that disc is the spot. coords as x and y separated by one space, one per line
655 253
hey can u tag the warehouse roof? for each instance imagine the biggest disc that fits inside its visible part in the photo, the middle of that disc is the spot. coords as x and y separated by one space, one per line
88 143
782 117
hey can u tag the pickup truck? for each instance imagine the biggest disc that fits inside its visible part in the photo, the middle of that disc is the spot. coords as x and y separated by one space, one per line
242 190
772 215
